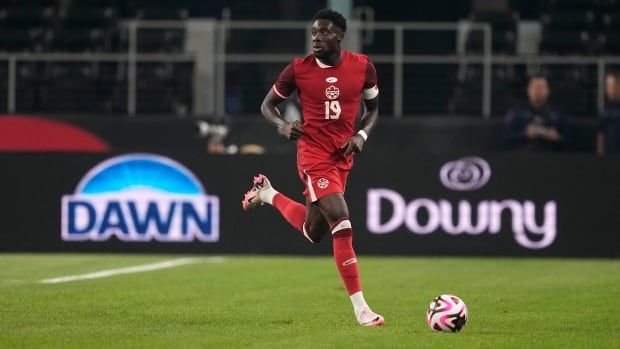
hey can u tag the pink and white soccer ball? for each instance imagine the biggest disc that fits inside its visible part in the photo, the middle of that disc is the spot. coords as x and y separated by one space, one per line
447 313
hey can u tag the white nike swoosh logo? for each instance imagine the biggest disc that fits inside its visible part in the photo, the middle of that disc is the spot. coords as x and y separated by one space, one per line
349 262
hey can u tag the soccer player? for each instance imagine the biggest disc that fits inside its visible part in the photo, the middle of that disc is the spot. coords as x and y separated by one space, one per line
330 83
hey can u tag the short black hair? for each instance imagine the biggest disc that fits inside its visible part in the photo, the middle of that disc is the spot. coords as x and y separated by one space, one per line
538 76
614 73
336 17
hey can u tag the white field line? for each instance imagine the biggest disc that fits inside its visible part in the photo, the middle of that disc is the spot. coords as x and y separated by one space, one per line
130 270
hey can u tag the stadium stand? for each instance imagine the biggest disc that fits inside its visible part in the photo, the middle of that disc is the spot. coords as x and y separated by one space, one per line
504 32
568 27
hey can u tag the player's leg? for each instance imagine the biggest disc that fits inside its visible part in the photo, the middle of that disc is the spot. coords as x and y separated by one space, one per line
335 210
306 219
262 192
315 227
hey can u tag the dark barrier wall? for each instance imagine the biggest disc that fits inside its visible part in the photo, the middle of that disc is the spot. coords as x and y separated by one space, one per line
420 134
490 204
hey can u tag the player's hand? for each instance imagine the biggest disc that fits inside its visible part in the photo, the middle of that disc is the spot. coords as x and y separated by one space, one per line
291 130
552 134
531 130
354 144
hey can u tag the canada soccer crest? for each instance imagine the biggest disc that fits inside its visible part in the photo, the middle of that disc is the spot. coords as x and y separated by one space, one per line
332 92
323 183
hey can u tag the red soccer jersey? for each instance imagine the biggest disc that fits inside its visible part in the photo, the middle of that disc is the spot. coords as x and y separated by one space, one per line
330 101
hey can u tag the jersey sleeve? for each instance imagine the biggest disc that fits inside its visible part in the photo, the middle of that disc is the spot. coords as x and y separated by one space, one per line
285 85
371 90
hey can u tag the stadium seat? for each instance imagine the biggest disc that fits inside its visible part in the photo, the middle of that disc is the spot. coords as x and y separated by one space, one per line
429 42
70 87
28 76
72 40
163 12
569 21
88 17
573 88
160 40
504 27
611 21
27 16
32 3
575 5
565 42
428 88
467 95
502 42
20 40
611 43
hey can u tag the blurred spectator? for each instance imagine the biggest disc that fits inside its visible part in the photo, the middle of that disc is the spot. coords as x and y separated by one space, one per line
608 139
536 125
215 134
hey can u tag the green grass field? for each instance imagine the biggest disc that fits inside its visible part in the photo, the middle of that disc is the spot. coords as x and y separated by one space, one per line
298 302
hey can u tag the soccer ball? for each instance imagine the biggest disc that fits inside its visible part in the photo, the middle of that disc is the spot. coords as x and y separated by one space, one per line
446 313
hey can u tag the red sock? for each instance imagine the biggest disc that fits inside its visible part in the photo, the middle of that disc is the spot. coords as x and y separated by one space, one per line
344 255
292 211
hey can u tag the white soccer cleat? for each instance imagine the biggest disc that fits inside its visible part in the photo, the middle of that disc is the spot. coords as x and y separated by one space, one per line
367 317
252 197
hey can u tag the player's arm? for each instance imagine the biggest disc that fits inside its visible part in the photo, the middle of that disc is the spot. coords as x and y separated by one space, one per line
370 117
290 130
283 87
370 93
355 144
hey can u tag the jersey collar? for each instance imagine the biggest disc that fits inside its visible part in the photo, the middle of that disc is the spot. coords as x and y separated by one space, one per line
321 64
325 66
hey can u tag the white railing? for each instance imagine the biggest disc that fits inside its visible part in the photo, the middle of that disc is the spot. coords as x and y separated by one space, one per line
13 59
398 59
220 58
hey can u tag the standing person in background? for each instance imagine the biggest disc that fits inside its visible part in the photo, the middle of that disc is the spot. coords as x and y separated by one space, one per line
330 83
536 125
608 138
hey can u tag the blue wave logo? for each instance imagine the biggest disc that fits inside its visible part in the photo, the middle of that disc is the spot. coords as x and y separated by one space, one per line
140 197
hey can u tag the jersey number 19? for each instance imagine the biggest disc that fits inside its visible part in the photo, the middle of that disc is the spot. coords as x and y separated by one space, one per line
332 110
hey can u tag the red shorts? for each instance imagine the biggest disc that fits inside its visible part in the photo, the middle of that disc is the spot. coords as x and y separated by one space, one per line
322 180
